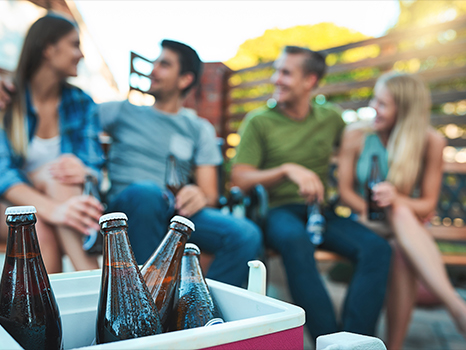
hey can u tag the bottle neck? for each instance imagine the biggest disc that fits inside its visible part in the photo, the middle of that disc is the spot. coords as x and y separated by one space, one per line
117 250
22 236
190 270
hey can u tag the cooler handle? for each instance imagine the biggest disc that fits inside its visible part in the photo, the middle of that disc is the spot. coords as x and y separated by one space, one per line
257 277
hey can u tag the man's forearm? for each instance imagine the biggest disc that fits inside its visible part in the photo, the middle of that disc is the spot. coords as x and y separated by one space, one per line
246 176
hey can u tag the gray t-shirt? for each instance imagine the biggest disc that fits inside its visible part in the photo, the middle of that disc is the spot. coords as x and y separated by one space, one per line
143 138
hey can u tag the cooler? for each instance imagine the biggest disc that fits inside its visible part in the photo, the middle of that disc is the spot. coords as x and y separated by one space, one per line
253 321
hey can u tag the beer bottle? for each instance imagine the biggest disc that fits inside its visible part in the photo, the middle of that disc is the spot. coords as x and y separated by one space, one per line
173 177
162 269
315 226
28 309
193 305
92 243
126 309
374 212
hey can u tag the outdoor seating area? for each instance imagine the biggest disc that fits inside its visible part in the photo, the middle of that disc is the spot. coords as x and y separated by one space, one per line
317 195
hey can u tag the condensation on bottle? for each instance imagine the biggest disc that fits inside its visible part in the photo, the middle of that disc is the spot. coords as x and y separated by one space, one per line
193 305
126 309
162 269
28 309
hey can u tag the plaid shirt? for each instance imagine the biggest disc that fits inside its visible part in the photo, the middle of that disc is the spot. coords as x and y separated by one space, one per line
79 130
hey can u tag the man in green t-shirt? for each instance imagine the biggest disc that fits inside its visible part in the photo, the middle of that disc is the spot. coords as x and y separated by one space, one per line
286 146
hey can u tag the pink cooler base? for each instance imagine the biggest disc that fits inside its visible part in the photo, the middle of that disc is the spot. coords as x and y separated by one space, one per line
291 339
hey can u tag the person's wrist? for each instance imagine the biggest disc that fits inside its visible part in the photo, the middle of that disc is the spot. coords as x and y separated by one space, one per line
285 169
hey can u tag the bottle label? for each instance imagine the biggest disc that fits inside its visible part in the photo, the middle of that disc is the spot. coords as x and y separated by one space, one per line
214 321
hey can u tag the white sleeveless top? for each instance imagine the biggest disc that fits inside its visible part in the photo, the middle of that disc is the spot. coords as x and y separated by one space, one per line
42 151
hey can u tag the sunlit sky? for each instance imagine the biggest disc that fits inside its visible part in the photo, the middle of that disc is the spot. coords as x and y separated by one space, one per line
215 29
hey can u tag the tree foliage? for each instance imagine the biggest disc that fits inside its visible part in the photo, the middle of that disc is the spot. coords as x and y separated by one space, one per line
421 13
268 46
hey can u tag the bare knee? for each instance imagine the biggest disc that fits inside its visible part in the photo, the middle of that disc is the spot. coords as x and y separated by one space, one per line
44 181
401 213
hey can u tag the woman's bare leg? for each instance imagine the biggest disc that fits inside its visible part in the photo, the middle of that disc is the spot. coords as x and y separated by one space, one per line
400 299
49 247
68 239
3 225
421 250
46 235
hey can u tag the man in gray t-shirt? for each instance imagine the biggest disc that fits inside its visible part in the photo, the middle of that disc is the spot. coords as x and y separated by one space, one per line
143 138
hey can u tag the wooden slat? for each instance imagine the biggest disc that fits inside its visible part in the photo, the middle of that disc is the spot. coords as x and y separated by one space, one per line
437 98
429 76
323 255
454 259
240 101
258 67
387 61
249 84
450 233
444 119
459 142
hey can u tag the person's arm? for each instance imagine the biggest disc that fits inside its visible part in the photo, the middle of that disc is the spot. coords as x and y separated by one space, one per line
386 194
193 197
79 212
347 157
76 212
310 187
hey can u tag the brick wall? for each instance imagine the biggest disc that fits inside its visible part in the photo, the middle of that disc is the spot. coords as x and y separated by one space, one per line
209 98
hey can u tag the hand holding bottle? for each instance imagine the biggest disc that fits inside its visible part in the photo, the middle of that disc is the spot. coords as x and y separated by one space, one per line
309 184
374 211
190 200
385 194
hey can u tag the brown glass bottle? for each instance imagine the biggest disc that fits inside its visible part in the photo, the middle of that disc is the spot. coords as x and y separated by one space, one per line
126 309
374 212
173 177
193 304
28 309
162 269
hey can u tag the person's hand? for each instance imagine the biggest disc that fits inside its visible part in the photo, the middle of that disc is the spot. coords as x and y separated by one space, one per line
68 169
189 200
79 212
310 186
384 194
6 89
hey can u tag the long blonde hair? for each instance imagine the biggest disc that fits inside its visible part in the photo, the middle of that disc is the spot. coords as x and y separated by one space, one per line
407 140
45 31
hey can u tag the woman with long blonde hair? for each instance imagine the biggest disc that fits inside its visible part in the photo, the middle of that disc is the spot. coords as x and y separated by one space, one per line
410 153
49 143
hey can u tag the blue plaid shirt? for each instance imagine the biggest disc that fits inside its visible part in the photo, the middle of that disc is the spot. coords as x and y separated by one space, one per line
79 131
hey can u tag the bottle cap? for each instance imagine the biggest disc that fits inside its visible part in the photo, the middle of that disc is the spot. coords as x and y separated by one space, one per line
183 220
112 216
192 246
25 209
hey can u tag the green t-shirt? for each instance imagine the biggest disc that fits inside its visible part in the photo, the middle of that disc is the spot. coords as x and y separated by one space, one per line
270 139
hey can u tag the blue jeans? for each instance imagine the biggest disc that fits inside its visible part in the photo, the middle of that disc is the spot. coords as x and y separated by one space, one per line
371 255
233 241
